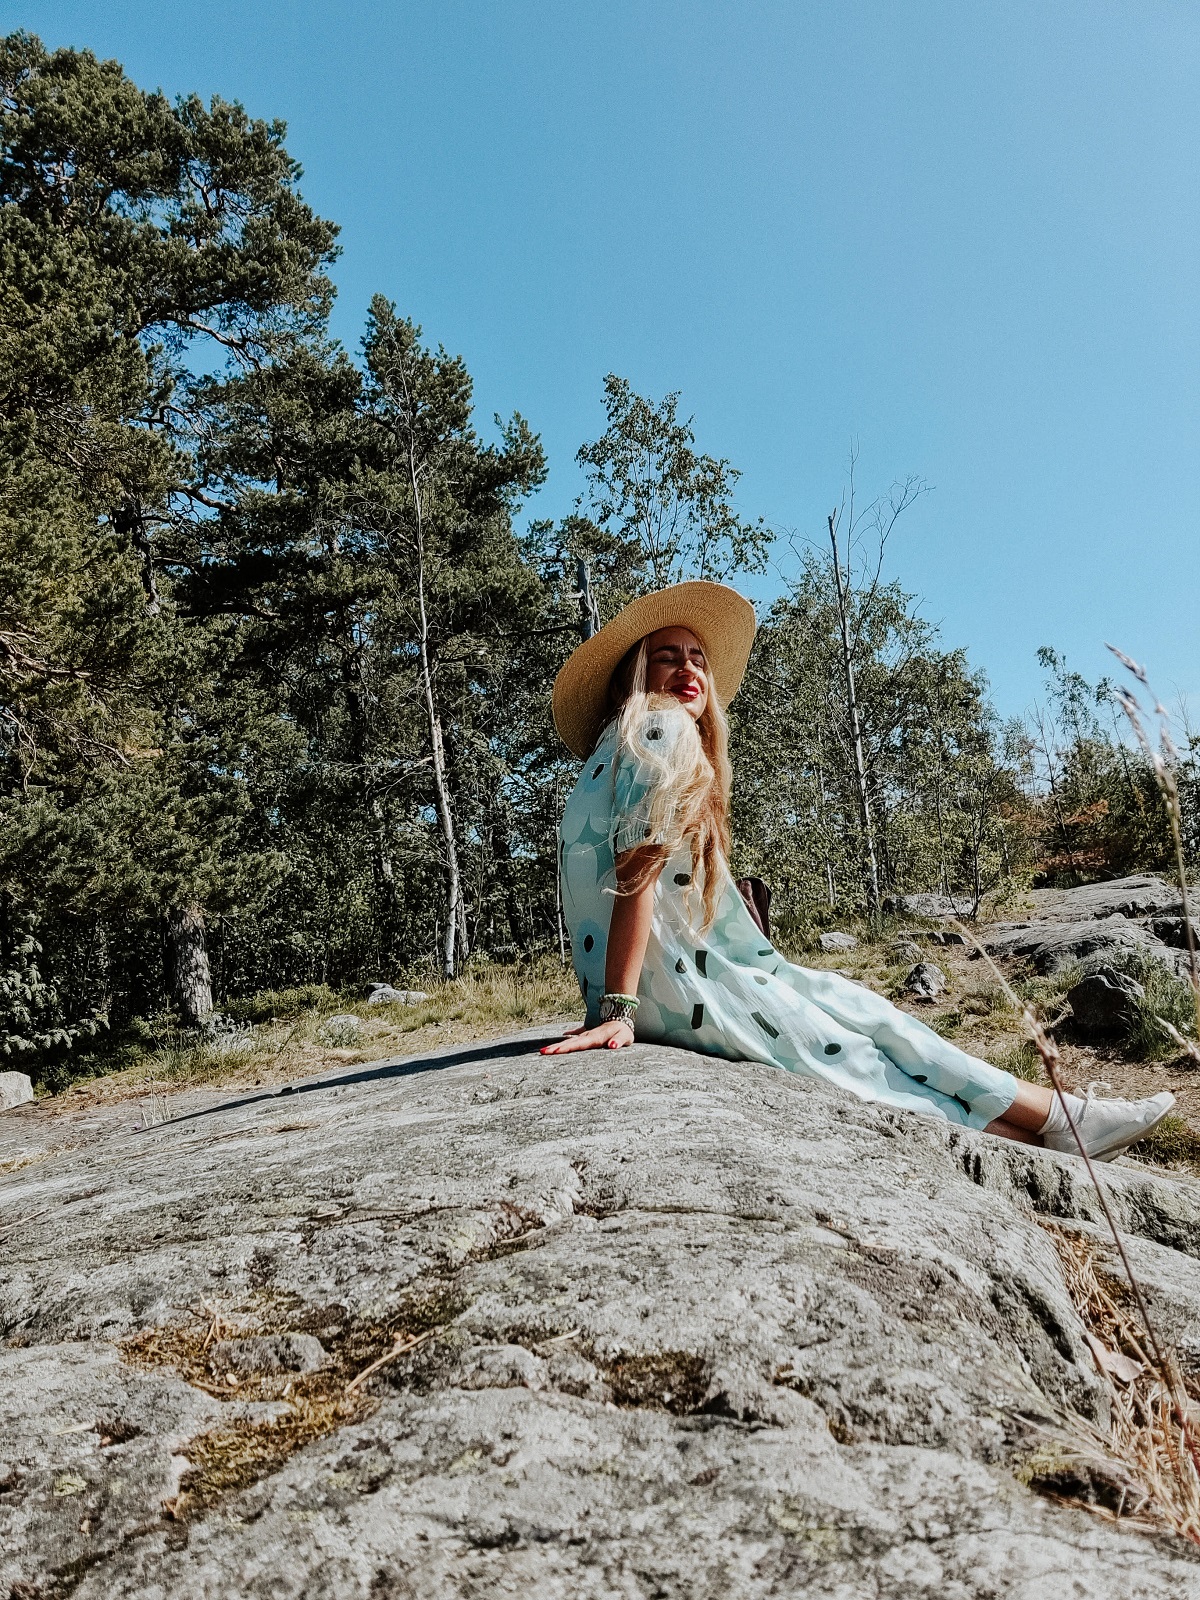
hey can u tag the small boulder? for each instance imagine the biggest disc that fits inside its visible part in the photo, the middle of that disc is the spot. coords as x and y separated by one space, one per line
268 1353
502 1366
1104 1001
341 1029
382 994
905 949
926 982
16 1088
831 942
1173 931
937 907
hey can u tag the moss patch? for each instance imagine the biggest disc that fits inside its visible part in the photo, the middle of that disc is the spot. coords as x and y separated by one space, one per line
663 1380
400 1347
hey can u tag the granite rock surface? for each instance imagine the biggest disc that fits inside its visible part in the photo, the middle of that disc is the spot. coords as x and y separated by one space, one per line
629 1324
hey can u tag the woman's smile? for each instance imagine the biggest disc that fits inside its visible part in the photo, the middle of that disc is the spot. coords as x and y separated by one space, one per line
676 665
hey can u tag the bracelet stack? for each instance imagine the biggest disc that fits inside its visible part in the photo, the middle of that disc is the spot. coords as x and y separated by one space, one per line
618 1008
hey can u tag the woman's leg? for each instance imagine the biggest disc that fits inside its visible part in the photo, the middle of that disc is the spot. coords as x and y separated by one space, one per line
1009 1130
1027 1115
1106 1127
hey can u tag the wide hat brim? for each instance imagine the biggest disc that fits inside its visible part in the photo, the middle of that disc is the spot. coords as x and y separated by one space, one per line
719 616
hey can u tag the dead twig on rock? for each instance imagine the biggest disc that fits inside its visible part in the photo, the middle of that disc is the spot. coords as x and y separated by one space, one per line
402 1347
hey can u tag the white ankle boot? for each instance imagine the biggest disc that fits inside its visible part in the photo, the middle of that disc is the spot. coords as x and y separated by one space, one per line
1105 1126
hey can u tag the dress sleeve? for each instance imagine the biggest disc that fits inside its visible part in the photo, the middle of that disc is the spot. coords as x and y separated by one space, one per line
637 775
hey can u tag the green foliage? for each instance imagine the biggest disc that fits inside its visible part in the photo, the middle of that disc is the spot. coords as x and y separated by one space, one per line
27 1003
1021 1059
948 812
655 512
276 655
1103 812
271 1005
30 1007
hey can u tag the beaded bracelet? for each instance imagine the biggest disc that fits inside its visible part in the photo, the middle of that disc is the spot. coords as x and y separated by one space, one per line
618 1008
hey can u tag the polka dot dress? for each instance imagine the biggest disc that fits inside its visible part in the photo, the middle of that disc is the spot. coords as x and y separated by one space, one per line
728 992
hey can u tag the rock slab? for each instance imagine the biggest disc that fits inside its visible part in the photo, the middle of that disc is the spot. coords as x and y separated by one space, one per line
691 1329
16 1089
383 994
1053 946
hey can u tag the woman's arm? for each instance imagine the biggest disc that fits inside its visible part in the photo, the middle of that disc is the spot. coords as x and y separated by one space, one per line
628 936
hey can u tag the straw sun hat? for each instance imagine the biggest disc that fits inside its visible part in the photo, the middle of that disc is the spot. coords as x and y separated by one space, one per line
719 617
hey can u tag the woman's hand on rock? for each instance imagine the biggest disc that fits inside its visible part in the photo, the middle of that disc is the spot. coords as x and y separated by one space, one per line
608 1036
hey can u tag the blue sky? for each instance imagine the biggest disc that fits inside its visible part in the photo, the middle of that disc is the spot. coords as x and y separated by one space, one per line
965 235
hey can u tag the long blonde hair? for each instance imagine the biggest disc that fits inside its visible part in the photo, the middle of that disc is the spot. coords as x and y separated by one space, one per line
690 783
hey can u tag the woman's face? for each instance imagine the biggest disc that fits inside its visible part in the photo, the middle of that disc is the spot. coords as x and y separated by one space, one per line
676 665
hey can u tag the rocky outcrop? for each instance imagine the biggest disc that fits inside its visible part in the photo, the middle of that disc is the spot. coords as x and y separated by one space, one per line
383 994
622 1324
1141 914
1053 946
1142 895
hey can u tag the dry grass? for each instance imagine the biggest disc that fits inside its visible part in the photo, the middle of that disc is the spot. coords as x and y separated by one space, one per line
486 1001
1174 1143
236 1454
1159 1424
1142 1469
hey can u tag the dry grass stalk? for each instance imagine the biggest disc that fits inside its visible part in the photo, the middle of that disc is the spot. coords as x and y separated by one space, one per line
400 1348
1142 1460
1180 1440
1163 762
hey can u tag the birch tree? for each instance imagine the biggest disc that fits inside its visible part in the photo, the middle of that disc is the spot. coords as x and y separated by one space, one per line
438 499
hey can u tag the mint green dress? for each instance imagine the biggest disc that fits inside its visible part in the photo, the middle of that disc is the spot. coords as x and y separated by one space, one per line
728 992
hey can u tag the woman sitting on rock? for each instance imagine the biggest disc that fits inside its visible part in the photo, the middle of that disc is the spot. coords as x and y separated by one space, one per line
664 946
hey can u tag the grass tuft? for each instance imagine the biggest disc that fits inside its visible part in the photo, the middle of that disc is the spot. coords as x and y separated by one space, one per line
1020 1057
1141 1470
1172 1144
238 1453
1165 1011
281 1005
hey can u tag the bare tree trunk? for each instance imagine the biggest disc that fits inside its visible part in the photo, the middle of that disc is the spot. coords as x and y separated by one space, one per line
945 872
821 812
456 920
187 964
1054 795
871 874
589 613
